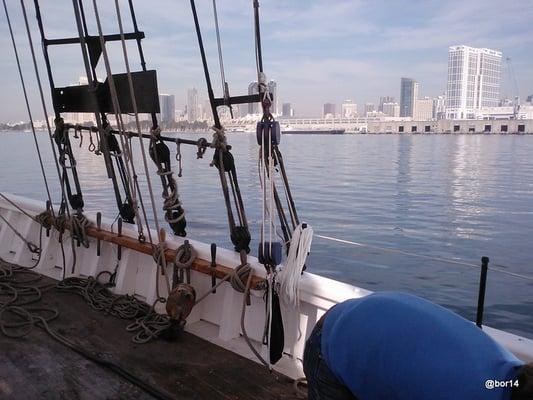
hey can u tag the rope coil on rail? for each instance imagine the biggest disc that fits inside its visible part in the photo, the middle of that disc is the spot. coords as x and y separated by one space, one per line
183 260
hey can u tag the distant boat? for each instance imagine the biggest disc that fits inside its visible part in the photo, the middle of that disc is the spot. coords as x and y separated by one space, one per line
293 131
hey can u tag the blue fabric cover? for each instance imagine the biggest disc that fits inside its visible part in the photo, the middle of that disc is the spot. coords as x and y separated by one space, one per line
395 346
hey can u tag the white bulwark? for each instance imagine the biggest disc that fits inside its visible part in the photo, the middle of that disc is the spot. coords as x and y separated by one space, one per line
473 81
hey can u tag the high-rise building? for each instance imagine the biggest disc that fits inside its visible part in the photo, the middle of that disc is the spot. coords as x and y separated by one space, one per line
391 109
287 111
408 95
369 108
273 89
439 107
348 109
328 110
192 105
253 88
423 109
473 81
383 100
168 107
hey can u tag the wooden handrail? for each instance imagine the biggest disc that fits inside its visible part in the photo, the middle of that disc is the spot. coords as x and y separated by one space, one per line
199 264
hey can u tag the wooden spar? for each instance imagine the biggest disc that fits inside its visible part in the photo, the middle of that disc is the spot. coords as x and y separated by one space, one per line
199 264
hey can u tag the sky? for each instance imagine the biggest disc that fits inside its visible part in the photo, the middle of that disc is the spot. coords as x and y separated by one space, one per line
317 50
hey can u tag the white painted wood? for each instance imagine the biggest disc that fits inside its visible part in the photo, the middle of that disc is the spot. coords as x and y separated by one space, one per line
217 318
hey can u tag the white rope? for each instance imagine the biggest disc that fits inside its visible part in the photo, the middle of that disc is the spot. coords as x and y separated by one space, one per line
289 276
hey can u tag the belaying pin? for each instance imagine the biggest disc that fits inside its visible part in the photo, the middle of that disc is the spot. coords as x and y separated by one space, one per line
98 227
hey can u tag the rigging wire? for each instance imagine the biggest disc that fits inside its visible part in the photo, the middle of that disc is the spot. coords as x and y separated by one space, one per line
432 258
126 149
137 122
45 111
160 246
220 60
28 108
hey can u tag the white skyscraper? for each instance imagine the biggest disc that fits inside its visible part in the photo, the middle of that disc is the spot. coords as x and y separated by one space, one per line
192 105
348 109
473 80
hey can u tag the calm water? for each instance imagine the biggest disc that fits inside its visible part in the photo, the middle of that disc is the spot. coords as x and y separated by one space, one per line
454 197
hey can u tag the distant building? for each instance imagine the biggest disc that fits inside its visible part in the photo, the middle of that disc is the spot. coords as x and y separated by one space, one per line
408 95
348 109
255 108
192 105
287 111
328 110
423 109
383 100
168 107
253 88
439 107
273 89
369 108
473 81
391 109
529 99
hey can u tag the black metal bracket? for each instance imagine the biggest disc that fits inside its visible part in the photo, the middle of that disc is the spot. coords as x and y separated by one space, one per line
81 98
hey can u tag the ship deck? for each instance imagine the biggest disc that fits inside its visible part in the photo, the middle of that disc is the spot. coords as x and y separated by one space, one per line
38 367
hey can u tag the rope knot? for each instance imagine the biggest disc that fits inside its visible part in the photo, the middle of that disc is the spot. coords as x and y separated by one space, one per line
219 138
155 132
183 260
45 219
202 147
78 224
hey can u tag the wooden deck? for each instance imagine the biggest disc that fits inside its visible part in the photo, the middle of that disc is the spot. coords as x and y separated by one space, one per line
38 367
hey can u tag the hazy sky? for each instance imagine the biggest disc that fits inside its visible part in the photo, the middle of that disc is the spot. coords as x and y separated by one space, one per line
318 51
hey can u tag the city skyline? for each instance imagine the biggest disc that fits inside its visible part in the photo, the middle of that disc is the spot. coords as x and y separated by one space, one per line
359 53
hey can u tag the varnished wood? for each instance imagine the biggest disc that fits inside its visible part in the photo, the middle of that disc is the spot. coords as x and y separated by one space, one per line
199 264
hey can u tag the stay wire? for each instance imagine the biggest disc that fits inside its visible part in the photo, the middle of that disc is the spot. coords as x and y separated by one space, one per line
431 258
64 199
138 125
28 108
220 59
143 153
126 149
45 111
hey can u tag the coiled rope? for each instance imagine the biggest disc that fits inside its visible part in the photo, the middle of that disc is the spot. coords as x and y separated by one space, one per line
148 324
20 292
290 276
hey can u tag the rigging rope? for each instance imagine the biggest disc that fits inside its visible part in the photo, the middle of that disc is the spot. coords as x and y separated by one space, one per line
126 149
137 125
220 60
290 275
432 258
45 112
27 104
